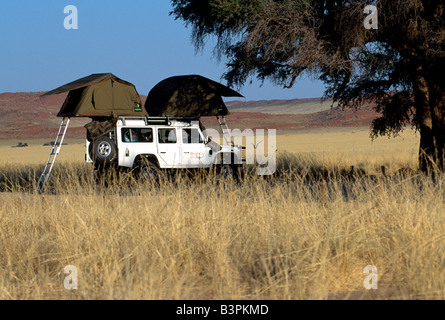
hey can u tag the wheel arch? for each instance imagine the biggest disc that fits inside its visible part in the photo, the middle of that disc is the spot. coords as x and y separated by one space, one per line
150 157
221 157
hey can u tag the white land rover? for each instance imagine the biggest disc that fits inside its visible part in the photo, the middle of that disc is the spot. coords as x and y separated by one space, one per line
151 144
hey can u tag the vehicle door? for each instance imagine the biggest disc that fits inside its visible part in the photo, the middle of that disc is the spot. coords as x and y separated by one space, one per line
168 147
194 152
134 141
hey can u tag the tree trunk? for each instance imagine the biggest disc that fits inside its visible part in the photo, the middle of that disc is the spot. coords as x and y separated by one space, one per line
437 106
423 113
429 97
426 147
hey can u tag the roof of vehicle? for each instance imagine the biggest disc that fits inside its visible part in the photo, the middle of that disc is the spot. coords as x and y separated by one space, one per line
158 121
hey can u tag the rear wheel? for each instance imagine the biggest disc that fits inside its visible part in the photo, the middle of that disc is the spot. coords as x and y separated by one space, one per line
148 171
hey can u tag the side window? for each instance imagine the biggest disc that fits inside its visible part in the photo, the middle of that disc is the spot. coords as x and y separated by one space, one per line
167 135
137 135
191 136
147 135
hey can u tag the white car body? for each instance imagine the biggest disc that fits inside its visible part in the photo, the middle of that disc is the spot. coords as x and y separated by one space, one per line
175 143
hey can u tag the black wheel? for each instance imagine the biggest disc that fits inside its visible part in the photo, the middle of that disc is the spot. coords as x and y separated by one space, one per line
229 172
104 150
147 171
229 169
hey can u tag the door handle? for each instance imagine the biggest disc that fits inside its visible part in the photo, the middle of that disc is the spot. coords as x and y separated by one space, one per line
163 152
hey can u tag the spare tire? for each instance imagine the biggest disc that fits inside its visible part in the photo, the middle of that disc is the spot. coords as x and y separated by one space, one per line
104 150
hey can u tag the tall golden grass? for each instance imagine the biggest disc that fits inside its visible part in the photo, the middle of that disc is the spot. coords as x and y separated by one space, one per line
308 232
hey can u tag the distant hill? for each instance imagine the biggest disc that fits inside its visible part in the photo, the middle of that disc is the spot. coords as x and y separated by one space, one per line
295 106
29 115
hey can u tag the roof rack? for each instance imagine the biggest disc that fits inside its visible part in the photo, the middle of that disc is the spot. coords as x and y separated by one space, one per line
157 120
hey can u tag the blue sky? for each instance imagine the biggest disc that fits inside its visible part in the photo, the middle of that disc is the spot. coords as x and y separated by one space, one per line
136 40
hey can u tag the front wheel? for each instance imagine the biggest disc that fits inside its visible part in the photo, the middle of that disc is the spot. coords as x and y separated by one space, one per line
229 172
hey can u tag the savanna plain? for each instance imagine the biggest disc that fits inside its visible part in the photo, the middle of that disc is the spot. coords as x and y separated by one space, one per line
337 203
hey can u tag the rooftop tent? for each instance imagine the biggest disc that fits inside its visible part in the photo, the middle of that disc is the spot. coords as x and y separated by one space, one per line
99 95
188 96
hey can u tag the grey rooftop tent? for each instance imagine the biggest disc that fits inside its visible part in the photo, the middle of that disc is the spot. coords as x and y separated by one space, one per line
99 95
188 96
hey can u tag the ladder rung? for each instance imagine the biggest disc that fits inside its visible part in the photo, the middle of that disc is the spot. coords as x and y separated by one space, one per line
53 154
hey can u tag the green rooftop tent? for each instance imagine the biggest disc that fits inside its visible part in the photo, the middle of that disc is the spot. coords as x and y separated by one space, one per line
188 96
99 95
102 97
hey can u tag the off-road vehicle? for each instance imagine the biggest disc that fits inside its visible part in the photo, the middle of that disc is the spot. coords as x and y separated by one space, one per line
122 133
152 144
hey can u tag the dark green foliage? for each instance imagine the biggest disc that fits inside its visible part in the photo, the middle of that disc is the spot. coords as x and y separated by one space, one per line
223 18
398 66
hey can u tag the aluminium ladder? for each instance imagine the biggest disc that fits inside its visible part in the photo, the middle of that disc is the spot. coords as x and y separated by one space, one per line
226 131
55 150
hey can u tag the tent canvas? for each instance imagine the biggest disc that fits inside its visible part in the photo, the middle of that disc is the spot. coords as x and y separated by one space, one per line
100 95
188 96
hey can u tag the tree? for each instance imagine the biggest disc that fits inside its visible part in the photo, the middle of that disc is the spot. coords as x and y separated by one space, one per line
399 65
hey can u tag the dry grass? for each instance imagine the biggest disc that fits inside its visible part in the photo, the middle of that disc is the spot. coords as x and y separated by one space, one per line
36 154
345 147
306 233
